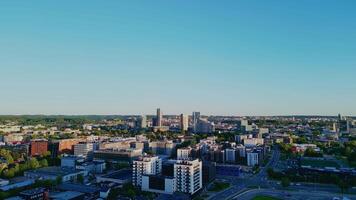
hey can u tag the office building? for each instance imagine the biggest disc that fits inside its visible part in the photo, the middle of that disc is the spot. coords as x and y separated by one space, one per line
118 155
84 149
188 176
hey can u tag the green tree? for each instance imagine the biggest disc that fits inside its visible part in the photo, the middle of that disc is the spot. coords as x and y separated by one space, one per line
80 178
34 164
285 182
43 163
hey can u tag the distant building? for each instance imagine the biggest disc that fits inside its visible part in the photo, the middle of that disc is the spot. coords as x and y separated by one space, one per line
14 183
38 147
230 155
184 153
84 149
159 117
51 173
34 194
195 121
204 126
143 123
184 122
117 155
252 159
162 147
252 142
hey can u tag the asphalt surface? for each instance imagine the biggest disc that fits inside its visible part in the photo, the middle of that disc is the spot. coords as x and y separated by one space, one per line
292 195
302 191
239 185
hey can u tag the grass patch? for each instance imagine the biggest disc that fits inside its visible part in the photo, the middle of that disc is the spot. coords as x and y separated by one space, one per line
319 163
264 198
219 186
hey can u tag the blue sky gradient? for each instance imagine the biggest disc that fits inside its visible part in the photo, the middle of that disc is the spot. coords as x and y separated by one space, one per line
226 58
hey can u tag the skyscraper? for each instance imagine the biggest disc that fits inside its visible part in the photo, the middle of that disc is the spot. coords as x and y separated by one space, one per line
184 122
195 119
159 117
143 121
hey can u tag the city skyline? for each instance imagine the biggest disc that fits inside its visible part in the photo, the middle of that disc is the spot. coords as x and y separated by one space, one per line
238 58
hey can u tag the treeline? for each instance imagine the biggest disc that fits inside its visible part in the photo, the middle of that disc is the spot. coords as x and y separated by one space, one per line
343 182
17 167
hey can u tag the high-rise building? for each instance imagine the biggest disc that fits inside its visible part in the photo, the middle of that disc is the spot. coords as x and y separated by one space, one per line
252 158
159 117
195 121
184 122
188 176
143 123
148 165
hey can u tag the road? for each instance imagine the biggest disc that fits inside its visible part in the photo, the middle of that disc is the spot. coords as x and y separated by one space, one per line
302 191
292 195
239 185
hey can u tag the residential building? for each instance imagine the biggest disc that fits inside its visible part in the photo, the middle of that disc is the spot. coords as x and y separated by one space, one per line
184 153
38 147
147 165
184 123
188 176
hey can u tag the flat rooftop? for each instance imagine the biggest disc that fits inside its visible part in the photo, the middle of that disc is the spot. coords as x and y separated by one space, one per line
123 174
78 188
54 171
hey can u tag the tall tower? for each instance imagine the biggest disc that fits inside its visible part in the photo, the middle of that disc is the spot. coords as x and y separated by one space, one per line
159 117
184 122
195 119
143 121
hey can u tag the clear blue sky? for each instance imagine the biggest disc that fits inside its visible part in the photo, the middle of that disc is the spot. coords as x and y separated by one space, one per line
233 57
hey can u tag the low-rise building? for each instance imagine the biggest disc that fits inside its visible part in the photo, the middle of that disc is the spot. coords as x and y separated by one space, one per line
52 173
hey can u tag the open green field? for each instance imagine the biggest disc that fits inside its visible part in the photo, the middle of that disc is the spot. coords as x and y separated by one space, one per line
264 198
319 163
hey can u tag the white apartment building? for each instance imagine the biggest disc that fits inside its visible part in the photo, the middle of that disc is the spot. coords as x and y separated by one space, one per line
148 165
188 176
